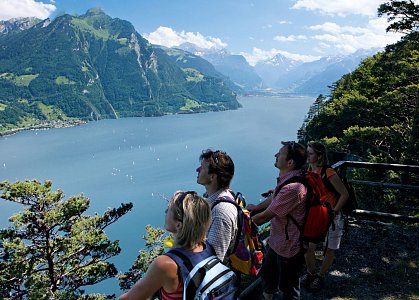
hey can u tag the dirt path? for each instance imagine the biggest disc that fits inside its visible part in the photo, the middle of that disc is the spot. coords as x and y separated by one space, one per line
376 261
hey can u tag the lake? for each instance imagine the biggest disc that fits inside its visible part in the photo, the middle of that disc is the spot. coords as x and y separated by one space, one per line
145 160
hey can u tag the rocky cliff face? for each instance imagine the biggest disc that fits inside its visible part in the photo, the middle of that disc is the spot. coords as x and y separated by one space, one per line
17 24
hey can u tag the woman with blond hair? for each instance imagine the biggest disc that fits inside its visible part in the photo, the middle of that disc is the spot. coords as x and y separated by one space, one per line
188 217
317 160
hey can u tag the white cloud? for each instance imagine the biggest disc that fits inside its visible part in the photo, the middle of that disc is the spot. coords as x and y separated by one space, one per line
284 22
340 7
290 38
168 37
260 54
25 8
334 28
326 37
348 39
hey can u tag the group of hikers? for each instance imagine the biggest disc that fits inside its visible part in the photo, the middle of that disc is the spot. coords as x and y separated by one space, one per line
201 229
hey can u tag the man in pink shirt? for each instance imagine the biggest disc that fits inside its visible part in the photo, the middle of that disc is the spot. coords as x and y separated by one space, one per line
284 259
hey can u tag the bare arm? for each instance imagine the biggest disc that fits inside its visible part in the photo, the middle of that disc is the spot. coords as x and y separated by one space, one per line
263 217
341 189
261 206
161 273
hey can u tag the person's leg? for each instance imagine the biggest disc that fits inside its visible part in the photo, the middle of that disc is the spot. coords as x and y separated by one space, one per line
290 270
333 244
327 262
270 274
334 237
311 258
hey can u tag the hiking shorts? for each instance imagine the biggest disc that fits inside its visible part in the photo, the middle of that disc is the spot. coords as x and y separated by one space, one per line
335 236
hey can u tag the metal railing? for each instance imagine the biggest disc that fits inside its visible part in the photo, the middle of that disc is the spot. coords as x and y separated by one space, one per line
343 167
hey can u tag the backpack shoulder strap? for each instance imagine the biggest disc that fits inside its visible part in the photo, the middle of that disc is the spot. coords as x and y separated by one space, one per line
299 179
302 180
239 218
225 199
176 255
185 266
193 276
326 180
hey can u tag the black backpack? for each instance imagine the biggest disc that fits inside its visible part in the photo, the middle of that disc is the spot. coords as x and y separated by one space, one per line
351 204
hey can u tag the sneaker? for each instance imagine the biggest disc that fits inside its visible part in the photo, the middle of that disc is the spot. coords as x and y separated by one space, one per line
317 283
306 279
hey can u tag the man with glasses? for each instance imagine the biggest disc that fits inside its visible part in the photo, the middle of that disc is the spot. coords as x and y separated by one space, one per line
284 259
215 174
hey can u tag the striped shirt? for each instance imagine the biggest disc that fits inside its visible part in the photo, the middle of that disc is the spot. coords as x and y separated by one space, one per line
223 229
289 200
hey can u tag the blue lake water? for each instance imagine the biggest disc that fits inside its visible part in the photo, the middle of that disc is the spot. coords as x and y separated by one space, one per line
144 160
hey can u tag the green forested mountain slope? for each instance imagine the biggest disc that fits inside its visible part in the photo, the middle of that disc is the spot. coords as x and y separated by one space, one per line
187 60
373 111
93 66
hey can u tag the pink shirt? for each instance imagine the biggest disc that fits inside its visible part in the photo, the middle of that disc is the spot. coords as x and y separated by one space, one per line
289 200
176 295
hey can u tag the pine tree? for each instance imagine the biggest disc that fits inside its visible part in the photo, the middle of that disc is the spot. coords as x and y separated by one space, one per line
155 239
52 249
405 15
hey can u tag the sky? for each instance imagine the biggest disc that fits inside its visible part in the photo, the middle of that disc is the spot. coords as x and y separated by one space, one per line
298 29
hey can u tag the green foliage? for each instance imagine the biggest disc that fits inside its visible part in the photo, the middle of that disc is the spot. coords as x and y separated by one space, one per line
83 24
372 115
190 105
402 14
154 247
193 75
51 112
372 111
23 80
63 80
313 112
52 249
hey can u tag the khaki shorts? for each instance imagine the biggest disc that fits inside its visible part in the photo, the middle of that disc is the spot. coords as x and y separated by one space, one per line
335 236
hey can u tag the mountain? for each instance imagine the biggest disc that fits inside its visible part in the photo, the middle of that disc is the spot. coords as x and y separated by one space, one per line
276 67
326 72
291 76
187 60
298 76
235 67
17 24
94 65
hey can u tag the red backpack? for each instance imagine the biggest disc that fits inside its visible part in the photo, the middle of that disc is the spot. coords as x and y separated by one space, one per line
318 213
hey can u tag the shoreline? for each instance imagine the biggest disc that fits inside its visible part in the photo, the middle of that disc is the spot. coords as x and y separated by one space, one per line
44 126
71 123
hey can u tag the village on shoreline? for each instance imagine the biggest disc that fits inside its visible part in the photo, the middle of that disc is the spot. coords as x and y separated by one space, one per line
44 126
